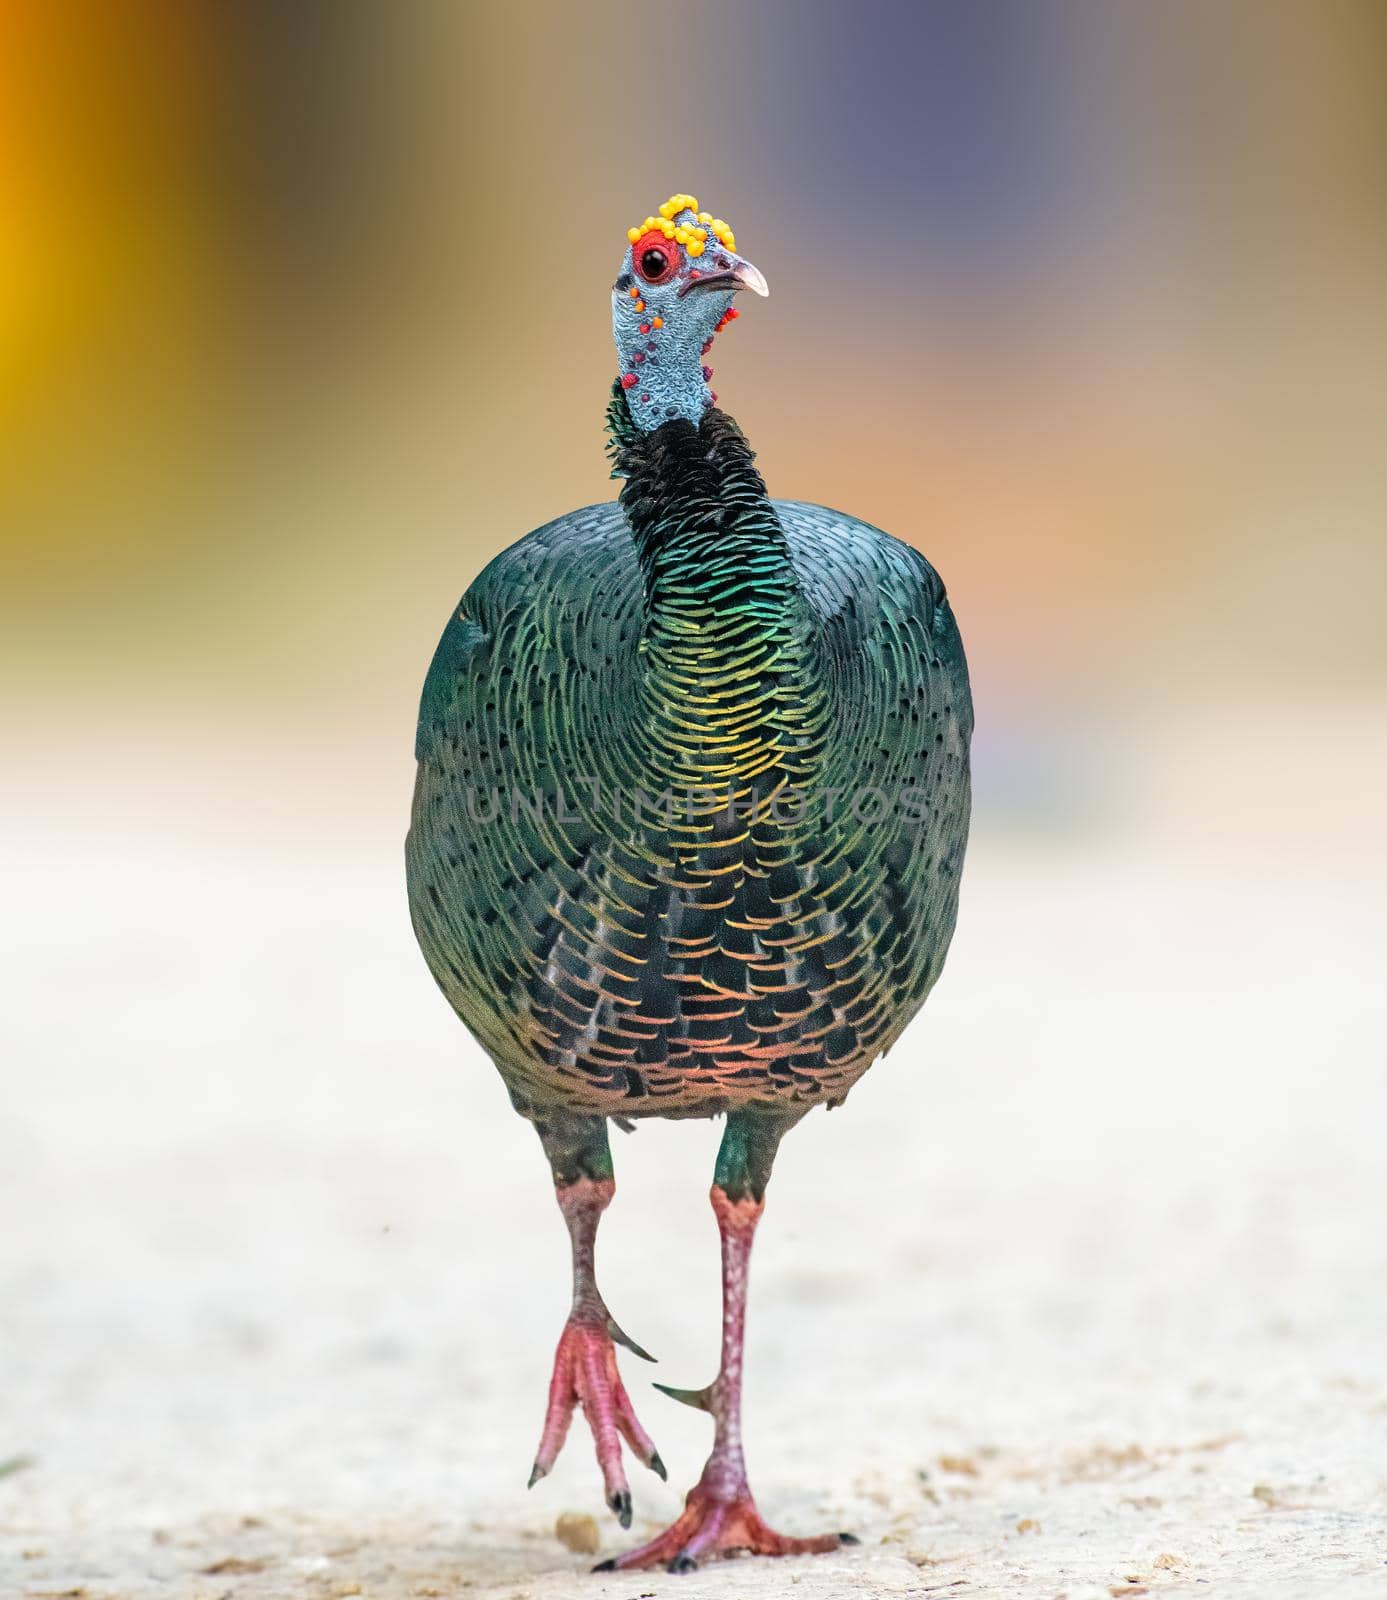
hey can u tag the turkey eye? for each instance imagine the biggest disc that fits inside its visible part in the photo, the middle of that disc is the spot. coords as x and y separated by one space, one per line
654 257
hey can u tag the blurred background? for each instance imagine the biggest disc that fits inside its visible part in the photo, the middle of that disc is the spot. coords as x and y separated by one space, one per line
304 315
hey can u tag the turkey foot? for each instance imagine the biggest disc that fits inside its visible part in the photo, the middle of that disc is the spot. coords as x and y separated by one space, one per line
717 1523
719 1515
585 1374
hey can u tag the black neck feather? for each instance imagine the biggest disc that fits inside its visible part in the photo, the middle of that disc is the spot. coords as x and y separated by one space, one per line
700 515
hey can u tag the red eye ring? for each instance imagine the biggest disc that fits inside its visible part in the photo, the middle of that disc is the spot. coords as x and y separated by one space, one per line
651 244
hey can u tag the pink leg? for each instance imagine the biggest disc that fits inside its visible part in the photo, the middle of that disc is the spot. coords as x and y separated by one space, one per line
719 1514
585 1370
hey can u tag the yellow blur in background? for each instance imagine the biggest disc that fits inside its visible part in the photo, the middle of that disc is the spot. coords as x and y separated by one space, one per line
304 315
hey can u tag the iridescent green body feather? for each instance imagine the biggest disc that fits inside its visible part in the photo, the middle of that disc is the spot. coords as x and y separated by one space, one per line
693 793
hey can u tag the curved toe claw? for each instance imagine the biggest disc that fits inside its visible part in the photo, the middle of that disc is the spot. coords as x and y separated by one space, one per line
585 1373
620 1503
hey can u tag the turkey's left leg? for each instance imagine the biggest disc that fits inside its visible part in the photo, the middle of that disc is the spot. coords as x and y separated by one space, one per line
719 1514
585 1370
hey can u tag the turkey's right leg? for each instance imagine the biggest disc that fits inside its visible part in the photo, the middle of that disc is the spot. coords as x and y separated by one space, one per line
585 1371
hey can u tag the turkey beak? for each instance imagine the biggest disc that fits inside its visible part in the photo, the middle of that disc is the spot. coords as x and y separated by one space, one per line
740 275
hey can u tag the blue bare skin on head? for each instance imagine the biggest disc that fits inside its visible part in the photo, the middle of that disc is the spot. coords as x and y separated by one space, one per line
674 291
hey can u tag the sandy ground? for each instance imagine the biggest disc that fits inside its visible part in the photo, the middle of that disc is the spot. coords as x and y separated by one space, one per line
1084 1293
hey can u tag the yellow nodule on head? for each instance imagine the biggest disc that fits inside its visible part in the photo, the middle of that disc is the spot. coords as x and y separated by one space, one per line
691 232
